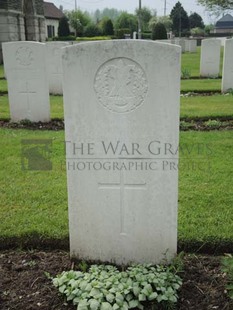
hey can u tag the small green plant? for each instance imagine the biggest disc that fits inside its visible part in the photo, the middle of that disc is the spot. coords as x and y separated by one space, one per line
230 91
83 266
213 123
227 267
25 122
185 74
105 287
186 125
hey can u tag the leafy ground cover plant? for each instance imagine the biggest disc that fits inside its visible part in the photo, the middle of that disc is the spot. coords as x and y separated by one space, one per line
227 267
105 287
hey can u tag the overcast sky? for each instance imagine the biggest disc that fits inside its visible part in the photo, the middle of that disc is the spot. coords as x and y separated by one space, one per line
130 5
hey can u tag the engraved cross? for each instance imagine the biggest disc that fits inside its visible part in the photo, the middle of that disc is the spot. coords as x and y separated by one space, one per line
27 91
122 186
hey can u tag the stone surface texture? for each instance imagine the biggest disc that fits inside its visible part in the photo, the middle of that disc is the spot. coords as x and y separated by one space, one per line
121 101
25 67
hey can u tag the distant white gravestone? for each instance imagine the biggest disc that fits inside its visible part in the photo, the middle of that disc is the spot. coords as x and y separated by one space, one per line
28 90
54 66
210 57
227 75
121 101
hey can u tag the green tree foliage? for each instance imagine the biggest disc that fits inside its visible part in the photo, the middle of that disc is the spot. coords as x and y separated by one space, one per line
126 20
166 20
197 31
91 30
110 13
79 20
213 5
63 28
180 20
146 15
159 32
196 21
106 26
208 28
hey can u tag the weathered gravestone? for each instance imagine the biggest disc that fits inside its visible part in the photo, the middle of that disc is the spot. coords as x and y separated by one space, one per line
227 75
28 90
121 101
181 43
191 46
210 57
54 66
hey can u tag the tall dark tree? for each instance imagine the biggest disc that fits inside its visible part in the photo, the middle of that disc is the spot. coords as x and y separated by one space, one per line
109 28
180 20
159 32
106 26
195 20
63 28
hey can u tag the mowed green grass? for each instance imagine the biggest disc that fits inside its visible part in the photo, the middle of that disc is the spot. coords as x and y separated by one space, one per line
201 85
35 202
197 106
190 62
207 106
1 71
56 107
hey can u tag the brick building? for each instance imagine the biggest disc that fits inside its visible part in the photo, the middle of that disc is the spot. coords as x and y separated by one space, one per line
21 20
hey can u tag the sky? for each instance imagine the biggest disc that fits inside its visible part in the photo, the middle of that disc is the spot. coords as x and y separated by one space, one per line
130 5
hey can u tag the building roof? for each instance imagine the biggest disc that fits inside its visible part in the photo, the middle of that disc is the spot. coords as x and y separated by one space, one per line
226 22
51 11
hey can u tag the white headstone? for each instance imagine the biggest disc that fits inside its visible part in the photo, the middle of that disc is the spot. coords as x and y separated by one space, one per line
28 90
191 46
181 43
210 57
134 35
121 101
227 75
54 66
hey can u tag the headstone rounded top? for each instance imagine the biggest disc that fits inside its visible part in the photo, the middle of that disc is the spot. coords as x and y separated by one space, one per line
121 85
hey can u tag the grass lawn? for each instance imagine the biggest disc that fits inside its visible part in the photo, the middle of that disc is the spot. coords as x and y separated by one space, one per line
3 86
207 85
1 71
56 106
190 62
35 202
207 106
198 106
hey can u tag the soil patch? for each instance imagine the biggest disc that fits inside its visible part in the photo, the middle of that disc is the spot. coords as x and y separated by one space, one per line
25 286
197 124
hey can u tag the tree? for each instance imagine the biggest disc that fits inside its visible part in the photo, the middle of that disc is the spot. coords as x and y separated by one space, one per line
159 32
196 21
146 15
180 20
63 28
213 5
106 26
79 20
91 30
197 31
166 20
110 13
126 20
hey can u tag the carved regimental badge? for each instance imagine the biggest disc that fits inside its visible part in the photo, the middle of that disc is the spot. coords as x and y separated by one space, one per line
121 85
24 56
